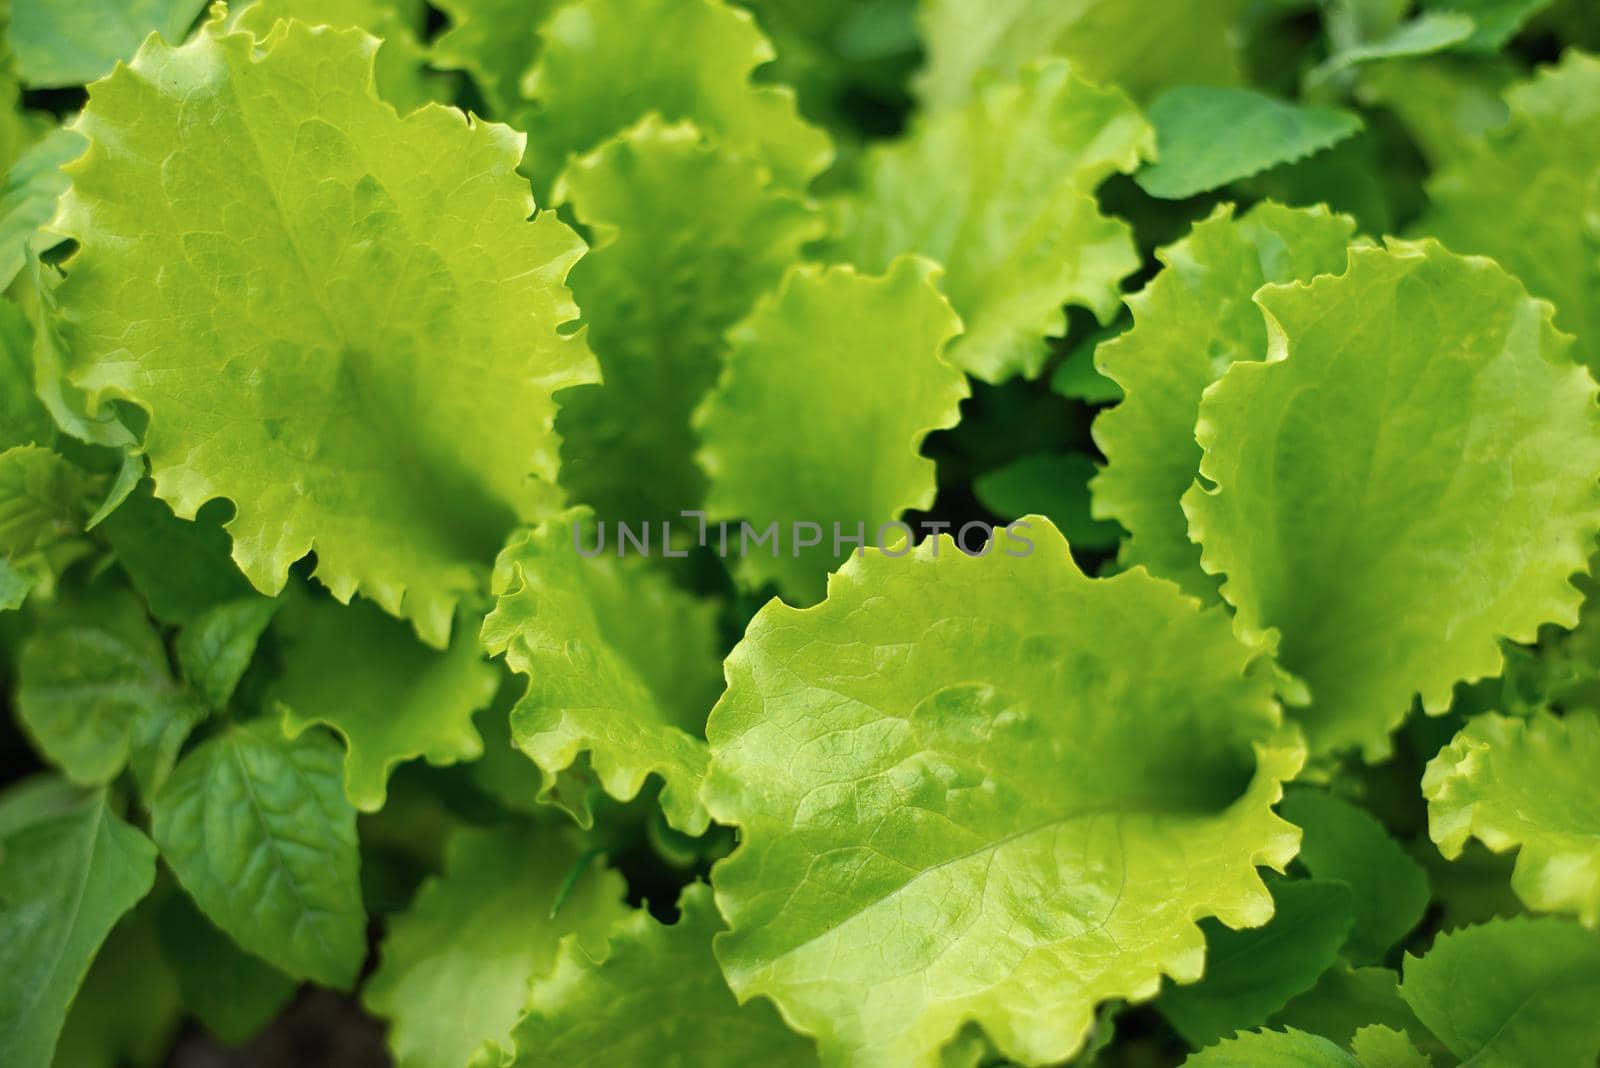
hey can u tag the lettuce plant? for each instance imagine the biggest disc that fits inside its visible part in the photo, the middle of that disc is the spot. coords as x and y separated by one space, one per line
858 532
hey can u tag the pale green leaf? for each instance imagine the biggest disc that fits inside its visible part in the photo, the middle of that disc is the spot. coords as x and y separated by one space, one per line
256 829
1000 193
1142 45
400 72
1527 194
95 691
1511 993
597 75
620 665
28 199
1344 842
456 965
779 449
230 992
1529 785
380 387
1192 322
1251 974
71 869
58 44
684 237
1209 136
389 697
1417 425
496 42
650 994
964 794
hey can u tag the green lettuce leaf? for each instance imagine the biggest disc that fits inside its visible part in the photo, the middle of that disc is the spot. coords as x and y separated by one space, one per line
257 831
495 42
390 698
1526 784
666 276
71 869
778 451
647 993
1191 323
1208 136
999 192
1344 842
620 664
964 794
1525 194
28 199
60 44
400 71
597 75
1141 45
1417 424
456 965
380 387
1511 993
1251 974
95 691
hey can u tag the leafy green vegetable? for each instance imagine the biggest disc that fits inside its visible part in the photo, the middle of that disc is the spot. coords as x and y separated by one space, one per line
358 350
999 192
1420 445
457 964
609 649
657 988
72 868
1209 136
256 829
1525 785
968 837
822 333
28 199
56 44
390 698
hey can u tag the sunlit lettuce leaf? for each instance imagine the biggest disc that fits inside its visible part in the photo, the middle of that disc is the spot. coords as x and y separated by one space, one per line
258 832
494 41
71 869
780 449
28 199
1529 785
648 992
95 691
59 44
1142 45
1191 323
1208 136
666 275
967 791
1378 480
1344 842
389 697
1000 193
129 1007
379 388
597 75
620 664
456 965
1511 993
400 71
1251 974
1527 194
232 993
